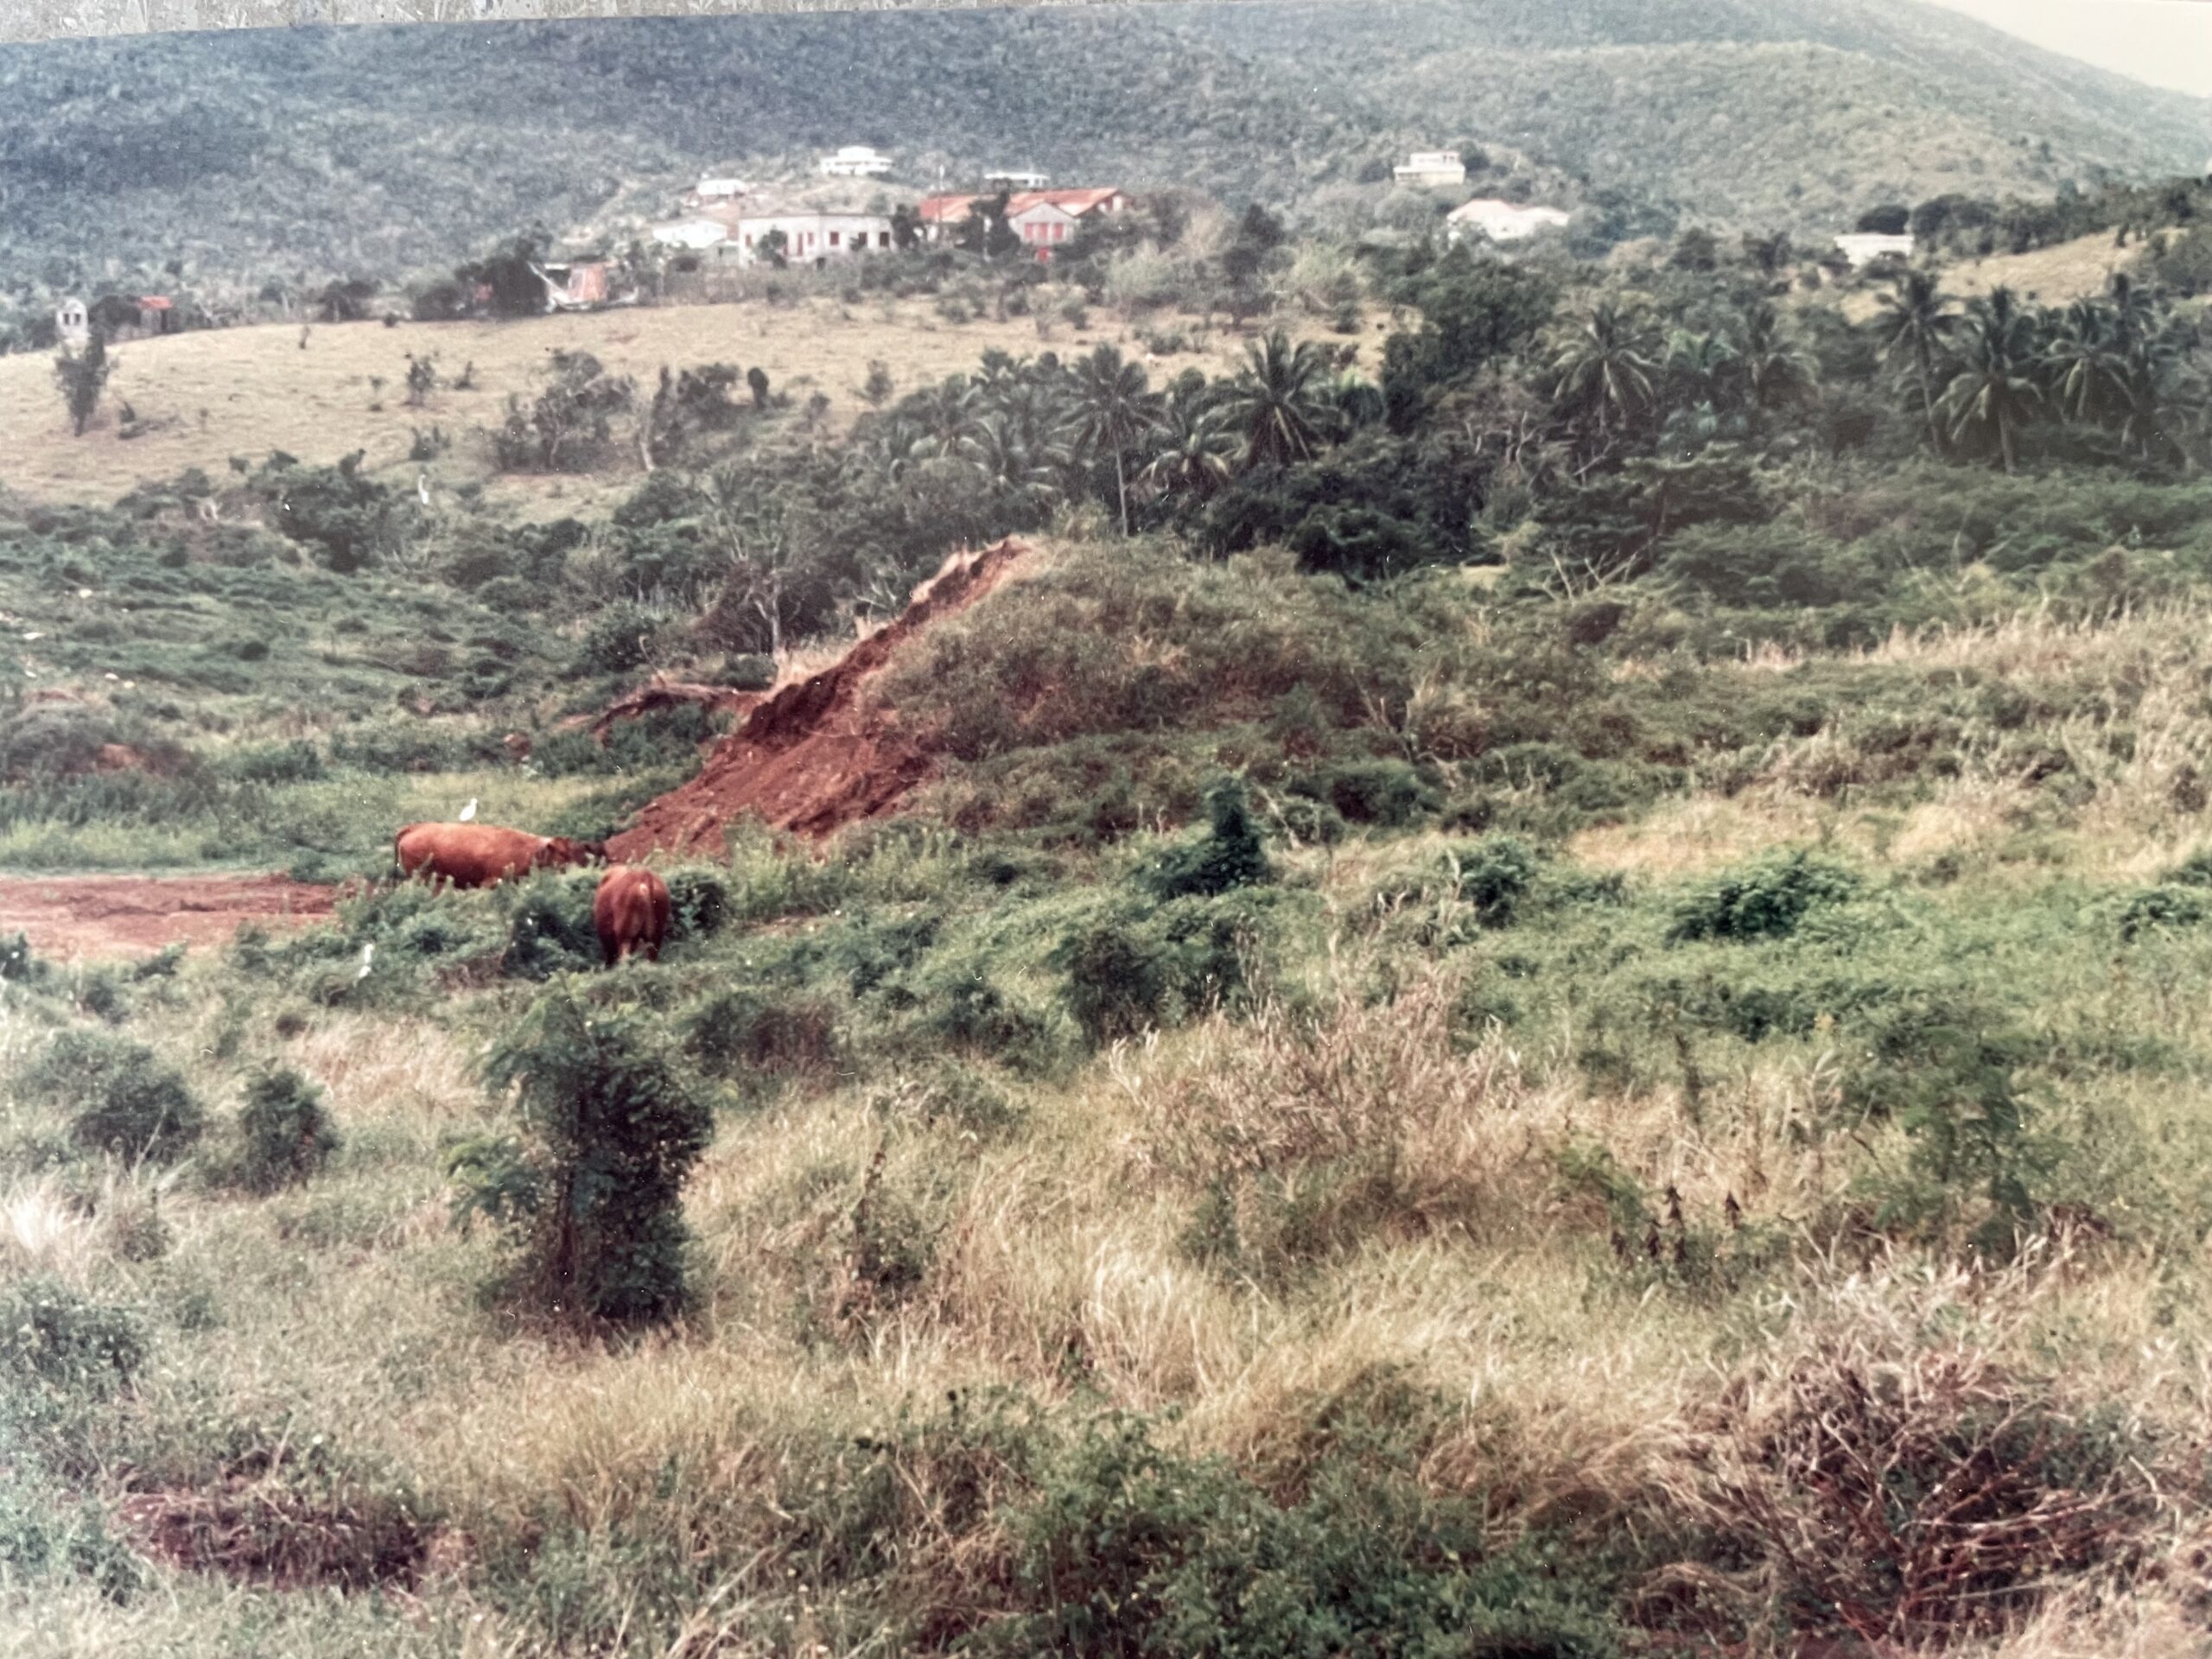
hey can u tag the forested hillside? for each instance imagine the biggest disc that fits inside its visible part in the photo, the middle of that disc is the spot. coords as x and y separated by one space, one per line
281 155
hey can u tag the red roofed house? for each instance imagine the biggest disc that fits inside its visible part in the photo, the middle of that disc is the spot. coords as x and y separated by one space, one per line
1044 220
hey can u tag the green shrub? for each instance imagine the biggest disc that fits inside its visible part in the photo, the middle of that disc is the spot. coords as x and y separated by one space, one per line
296 762
286 1130
748 671
2165 906
1125 1548
1388 794
1764 900
1229 854
698 902
50 1332
550 927
748 1034
593 1191
616 641
18 964
128 1103
1141 970
1947 1070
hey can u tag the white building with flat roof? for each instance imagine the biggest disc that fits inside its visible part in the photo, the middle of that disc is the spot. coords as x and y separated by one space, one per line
808 238
692 233
1501 221
1009 179
857 162
1427 166
1863 248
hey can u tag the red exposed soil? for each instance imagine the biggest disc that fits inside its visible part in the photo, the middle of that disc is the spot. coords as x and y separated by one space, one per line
816 756
78 916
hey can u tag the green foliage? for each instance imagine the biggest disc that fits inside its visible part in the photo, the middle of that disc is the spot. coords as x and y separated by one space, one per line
51 1335
286 1130
699 902
1764 900
1229 855
1127 1548
550 927
1948 1073
613 1124
83 376
570 425
125 1102
351 519
1141 968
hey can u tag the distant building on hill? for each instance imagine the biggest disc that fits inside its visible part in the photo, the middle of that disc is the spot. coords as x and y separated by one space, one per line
857 162
1427 166
709 191
810 236
1043 219
1863 248
696 233
1501 221
1010 180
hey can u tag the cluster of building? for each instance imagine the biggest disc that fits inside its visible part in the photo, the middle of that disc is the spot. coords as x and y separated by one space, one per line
727 217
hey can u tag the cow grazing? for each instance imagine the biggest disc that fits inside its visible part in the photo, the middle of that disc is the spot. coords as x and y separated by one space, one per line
480 855
630 912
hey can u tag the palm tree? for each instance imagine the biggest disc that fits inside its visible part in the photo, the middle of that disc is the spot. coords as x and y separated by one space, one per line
1113 409
1699 369
1601 366
1917 320
1196 453
1775 370
1994 390
948 416
1278 403
2087 371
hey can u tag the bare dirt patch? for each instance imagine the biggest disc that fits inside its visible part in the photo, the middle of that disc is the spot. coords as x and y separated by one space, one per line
78 916
819 755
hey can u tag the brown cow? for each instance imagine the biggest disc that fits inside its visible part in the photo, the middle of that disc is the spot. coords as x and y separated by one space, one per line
630 912
480 855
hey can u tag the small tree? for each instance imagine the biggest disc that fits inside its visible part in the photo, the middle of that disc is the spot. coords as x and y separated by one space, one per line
286 1130
83 376
422 379
593 1189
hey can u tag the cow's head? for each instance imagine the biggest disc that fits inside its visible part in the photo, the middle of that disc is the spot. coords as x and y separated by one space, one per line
561 852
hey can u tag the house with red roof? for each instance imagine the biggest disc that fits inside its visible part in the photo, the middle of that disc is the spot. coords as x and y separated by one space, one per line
1044 220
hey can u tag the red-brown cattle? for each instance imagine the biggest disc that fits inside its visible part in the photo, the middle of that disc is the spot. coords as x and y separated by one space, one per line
630 912
479 854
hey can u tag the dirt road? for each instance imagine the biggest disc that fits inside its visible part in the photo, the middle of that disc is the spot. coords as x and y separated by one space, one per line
77 917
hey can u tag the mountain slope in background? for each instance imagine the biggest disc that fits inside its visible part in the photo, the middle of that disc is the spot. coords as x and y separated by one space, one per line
285 154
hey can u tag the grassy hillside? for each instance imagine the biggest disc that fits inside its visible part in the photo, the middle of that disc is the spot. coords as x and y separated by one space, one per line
1532 995
290 157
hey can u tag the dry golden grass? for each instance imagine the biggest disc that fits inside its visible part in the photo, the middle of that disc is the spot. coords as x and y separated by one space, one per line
245 392
2054 276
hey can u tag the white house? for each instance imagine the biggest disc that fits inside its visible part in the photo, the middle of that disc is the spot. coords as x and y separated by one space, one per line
72 324
1501 221
709 190
857 162
1432 167
692 233
810 238
1009 179
1863 248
